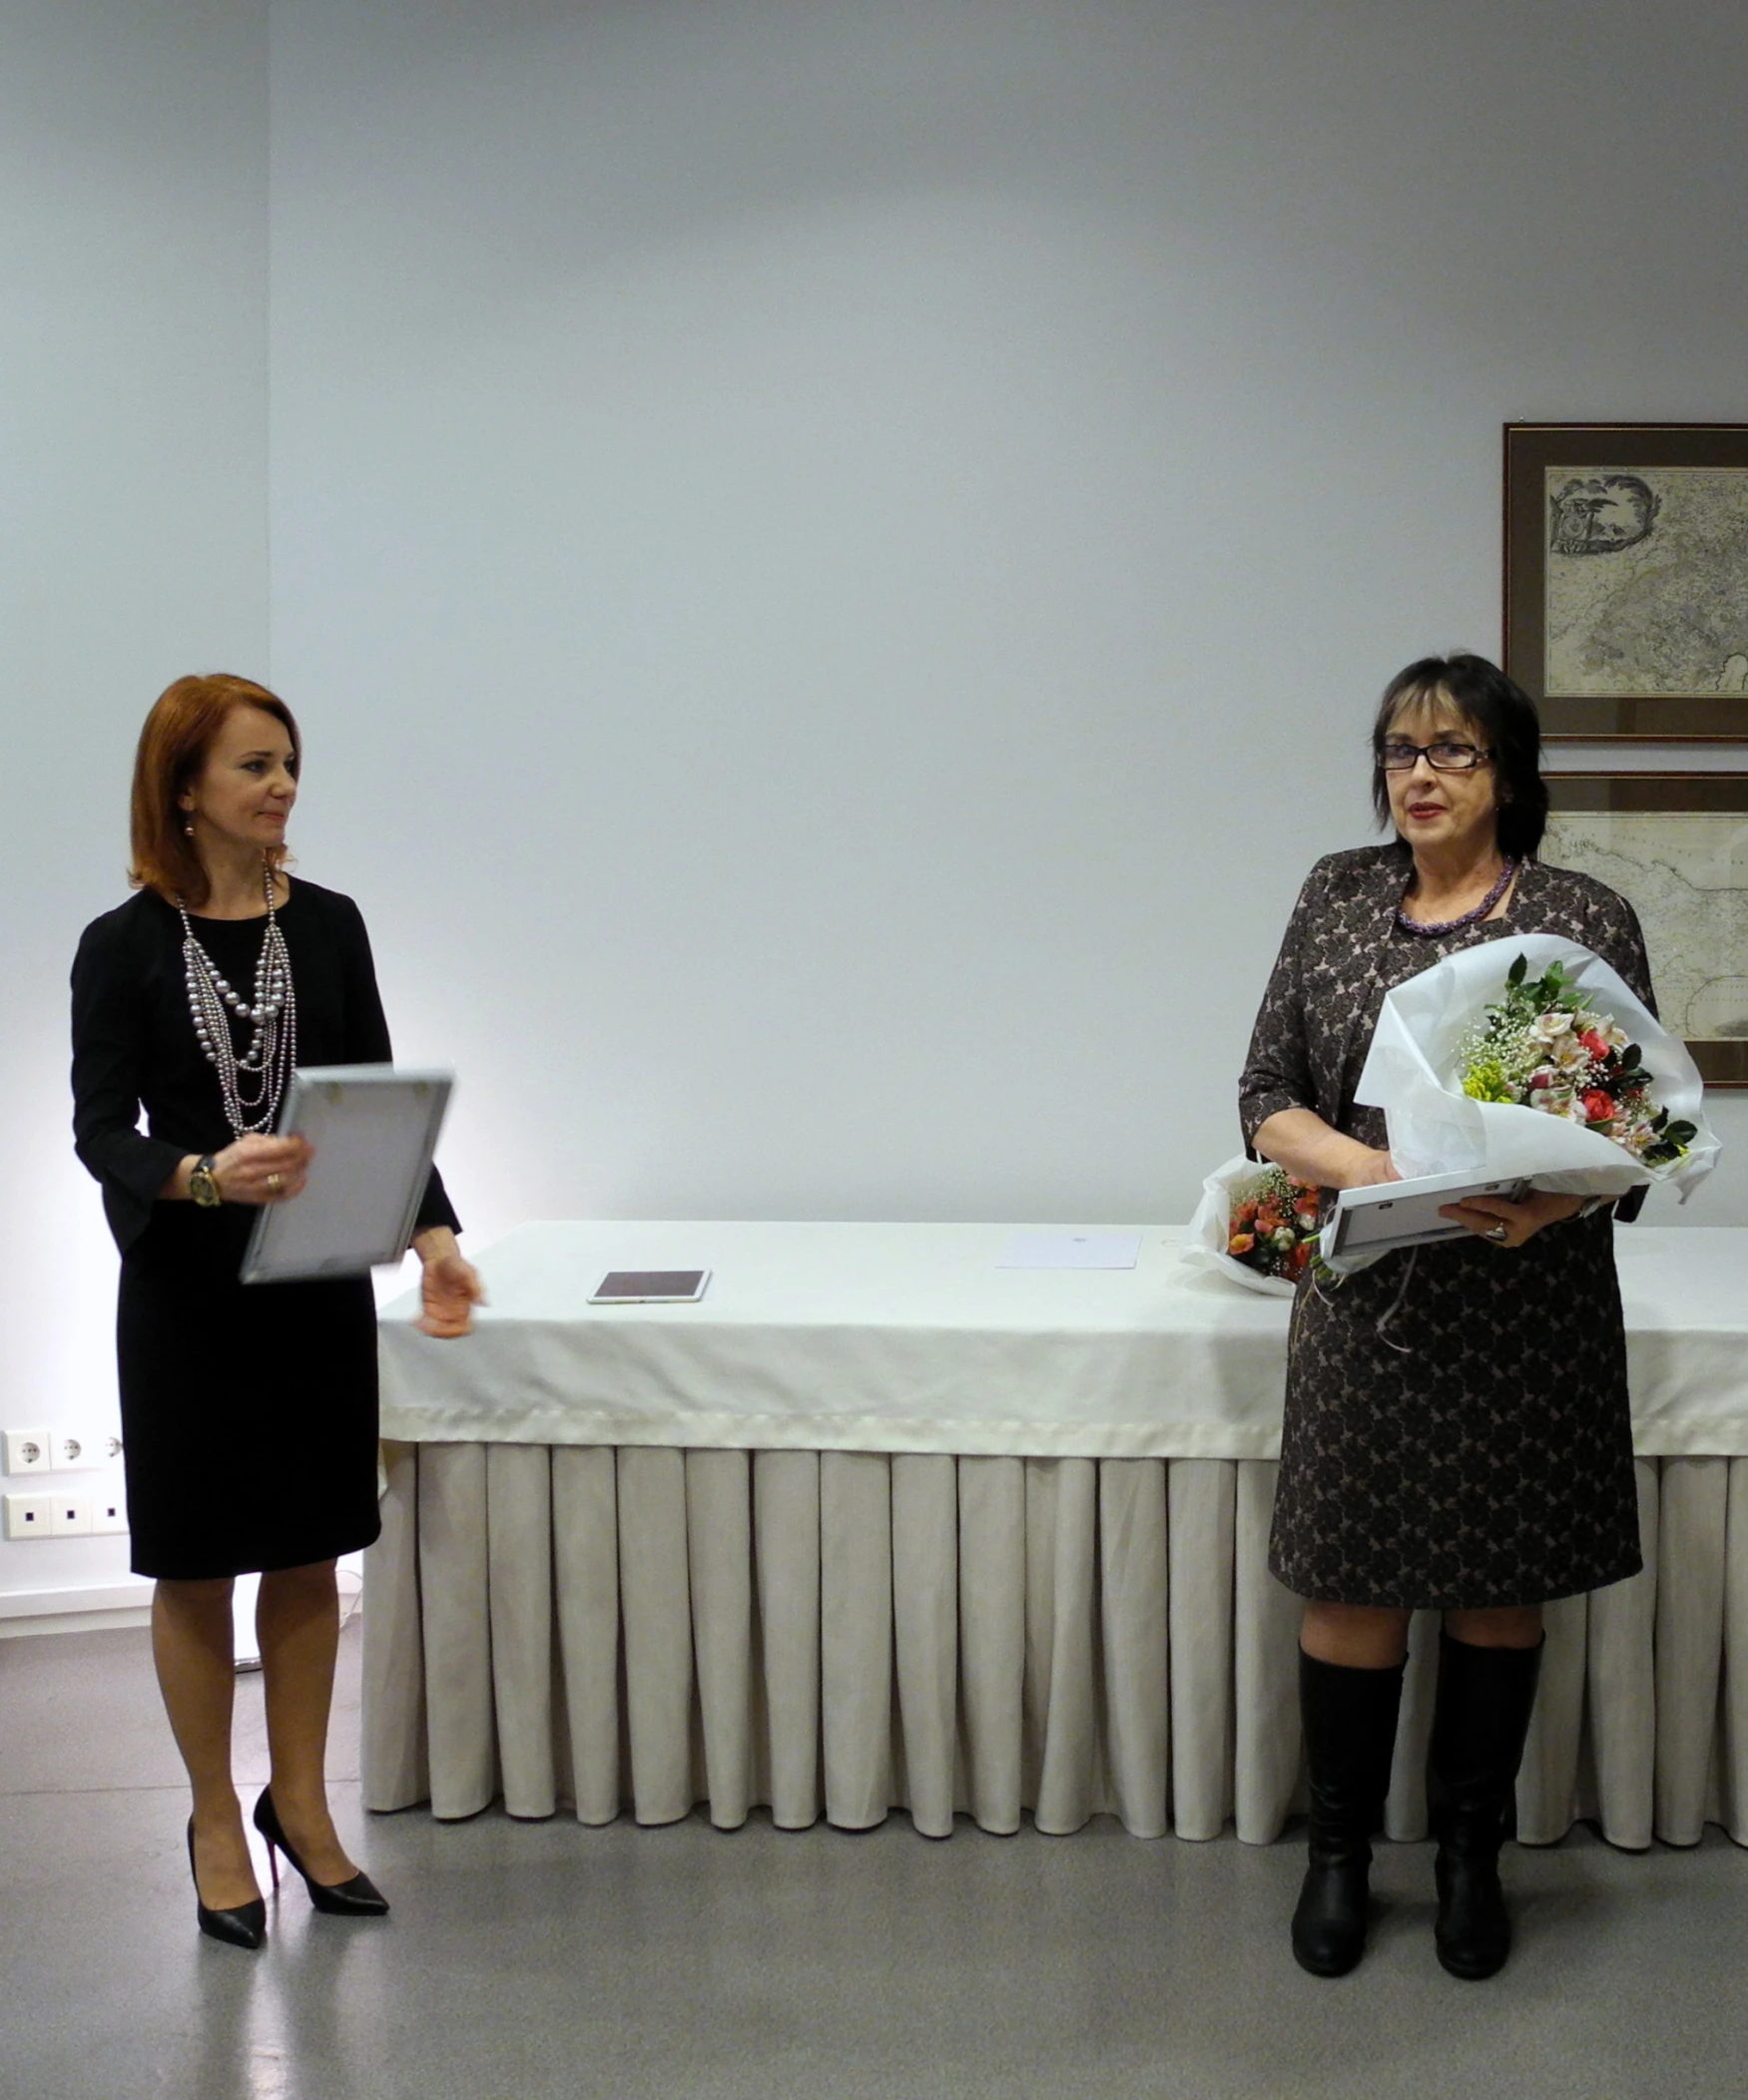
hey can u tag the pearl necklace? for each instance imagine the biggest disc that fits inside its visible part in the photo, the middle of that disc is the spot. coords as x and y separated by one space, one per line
273 1007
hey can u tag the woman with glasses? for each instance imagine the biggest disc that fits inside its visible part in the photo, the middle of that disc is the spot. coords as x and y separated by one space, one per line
1463 1445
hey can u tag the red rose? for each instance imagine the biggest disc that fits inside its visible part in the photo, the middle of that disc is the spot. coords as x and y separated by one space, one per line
1599 1106
1597 1045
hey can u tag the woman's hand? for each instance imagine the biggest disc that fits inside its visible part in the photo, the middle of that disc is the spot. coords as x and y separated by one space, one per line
1367 1167
448 1284
259 1168
1486 1214
1300 1141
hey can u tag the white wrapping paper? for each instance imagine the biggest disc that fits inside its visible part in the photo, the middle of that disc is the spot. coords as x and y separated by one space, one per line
1412 1074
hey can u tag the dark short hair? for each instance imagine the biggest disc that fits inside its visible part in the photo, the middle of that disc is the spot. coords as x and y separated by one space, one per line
1510 727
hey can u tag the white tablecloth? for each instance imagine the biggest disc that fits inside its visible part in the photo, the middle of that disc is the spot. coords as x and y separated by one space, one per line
908 1337
878 1523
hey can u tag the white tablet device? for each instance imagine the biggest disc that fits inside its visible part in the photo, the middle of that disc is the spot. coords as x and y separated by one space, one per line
375 1130
1406 1212
651 1287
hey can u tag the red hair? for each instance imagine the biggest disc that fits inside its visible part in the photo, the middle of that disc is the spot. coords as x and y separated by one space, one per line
180 732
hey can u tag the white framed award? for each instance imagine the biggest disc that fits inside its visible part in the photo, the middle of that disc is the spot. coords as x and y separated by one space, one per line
1384 1216
375 1130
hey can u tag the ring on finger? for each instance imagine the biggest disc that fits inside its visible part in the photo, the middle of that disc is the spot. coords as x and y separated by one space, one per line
1497 1233
275 1184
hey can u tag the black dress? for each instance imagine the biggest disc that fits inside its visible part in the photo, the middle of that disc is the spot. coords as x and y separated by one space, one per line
249 1412
1477 1452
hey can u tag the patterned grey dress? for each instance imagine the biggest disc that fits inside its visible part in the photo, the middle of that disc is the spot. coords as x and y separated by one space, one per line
1490 1461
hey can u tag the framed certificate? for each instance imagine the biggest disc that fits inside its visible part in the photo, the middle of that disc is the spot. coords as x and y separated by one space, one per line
375 1130
1387 1215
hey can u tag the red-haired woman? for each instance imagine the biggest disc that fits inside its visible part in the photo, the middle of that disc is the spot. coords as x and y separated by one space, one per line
248 1416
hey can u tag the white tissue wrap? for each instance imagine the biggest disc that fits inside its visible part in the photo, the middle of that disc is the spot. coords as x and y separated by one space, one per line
1412 1074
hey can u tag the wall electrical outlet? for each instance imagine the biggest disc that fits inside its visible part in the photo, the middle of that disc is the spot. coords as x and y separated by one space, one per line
69 1517
27 1516
81 1450
28 1451
107 1514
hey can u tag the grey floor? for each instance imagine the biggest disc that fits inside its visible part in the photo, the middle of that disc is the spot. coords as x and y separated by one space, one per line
525 1959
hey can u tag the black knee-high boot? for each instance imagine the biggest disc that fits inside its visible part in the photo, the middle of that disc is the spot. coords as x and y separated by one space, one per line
1350 1736
1484 1700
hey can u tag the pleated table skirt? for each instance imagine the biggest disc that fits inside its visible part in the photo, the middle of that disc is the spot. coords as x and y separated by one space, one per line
842 1632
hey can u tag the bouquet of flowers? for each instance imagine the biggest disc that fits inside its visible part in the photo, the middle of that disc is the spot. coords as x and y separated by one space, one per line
1532 1059
1256 1224
1543 1047
1274 1223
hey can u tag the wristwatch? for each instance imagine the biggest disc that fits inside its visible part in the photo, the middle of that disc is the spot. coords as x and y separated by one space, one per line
201 1186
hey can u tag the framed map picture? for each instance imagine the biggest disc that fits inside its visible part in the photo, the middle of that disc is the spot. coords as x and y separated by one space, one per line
1627 578
1675 846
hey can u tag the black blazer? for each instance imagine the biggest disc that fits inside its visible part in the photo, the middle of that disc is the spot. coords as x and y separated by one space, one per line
134 1042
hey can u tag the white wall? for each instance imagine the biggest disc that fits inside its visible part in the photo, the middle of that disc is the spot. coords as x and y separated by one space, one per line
133 546
837 556
834 557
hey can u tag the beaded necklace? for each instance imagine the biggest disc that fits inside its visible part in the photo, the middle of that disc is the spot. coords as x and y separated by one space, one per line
272 1006
1469 918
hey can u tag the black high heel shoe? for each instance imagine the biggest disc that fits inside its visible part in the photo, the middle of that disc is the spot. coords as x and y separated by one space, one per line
246 1926
358 1898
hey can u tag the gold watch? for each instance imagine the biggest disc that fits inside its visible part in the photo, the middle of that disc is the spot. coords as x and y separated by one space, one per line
201 1186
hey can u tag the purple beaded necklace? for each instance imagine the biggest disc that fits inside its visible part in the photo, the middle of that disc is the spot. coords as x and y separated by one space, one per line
1469 918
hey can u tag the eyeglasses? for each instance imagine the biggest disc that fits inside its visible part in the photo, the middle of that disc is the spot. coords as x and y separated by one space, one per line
1398 754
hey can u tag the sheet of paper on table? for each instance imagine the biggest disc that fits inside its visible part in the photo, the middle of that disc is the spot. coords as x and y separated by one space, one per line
1071 1251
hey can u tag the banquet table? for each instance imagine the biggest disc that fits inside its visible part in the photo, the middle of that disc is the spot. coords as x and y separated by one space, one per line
879 1522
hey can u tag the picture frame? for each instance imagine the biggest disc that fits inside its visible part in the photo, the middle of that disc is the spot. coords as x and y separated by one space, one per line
1626 579
1675 846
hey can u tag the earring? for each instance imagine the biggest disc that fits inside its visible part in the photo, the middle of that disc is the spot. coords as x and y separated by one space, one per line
188 831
